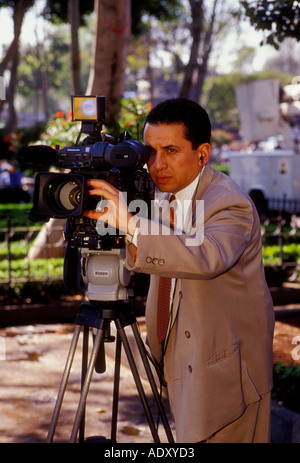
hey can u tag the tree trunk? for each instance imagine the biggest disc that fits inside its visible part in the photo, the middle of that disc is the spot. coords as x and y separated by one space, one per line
202 35
207 47
10 62
191 74
18 16
110 48
74 18
12 120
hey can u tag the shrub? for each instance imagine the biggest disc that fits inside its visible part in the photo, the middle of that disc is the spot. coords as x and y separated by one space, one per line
287 385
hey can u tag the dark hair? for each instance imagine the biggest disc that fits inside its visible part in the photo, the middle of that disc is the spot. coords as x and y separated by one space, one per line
185 111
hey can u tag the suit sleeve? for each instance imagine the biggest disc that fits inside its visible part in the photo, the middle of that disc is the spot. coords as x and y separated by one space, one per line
223 235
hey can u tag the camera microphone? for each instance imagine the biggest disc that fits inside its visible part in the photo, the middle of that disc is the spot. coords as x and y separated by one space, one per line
39 155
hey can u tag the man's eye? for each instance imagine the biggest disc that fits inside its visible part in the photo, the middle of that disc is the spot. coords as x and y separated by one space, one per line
151 151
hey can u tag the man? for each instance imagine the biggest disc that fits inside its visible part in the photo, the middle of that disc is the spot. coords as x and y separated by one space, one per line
217 353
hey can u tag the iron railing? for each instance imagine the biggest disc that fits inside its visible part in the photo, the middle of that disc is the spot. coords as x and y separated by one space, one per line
33 248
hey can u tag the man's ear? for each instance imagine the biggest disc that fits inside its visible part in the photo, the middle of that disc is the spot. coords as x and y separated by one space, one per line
204 153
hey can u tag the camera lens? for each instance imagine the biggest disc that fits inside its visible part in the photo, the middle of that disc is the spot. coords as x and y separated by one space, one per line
69 195
64 194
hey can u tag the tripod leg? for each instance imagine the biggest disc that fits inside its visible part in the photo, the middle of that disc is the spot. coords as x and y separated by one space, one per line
116 390
138 383
151 380
85 389
84 363
63 384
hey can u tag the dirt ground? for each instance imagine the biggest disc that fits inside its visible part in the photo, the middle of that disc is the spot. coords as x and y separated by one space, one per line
283 347
31 370
32 359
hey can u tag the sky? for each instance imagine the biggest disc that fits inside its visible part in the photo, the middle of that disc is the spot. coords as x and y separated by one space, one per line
34 25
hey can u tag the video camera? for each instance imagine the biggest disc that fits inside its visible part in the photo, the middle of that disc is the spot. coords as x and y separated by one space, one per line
91 258
118 160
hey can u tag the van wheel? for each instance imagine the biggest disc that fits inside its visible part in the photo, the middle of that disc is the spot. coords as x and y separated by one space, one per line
260 201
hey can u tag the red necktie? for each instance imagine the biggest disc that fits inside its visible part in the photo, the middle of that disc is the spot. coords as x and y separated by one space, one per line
164 291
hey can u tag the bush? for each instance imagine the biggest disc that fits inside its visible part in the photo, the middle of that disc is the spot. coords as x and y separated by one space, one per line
37 269
287 385
34 292
16 213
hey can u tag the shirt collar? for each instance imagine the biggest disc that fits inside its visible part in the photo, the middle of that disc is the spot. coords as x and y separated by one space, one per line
184 194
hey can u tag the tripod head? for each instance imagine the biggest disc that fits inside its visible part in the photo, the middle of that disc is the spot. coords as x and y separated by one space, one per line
105 274
101 272
95 264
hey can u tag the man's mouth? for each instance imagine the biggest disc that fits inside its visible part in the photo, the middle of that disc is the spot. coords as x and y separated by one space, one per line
162 179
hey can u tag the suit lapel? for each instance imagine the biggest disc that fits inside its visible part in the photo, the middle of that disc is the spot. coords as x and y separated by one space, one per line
205 180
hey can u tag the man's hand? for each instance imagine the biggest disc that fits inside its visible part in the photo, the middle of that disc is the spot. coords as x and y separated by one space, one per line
116 212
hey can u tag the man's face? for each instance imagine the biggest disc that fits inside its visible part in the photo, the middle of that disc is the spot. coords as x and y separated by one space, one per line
173 163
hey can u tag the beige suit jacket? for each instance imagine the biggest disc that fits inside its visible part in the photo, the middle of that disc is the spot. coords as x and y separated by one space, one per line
219 352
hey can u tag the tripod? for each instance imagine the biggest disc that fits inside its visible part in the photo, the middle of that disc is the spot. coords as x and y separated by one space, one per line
99 316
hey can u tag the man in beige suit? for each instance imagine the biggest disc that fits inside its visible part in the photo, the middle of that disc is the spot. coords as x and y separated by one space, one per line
217 353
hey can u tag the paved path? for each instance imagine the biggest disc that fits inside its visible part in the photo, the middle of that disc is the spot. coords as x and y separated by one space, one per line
31 369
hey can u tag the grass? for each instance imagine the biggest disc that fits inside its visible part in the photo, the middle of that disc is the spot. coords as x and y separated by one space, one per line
15 213
37 269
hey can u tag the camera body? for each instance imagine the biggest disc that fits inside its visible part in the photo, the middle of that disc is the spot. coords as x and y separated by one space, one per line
120 161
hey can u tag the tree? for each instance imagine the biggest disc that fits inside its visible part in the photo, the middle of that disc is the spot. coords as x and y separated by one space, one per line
73 12
44 83
10 60
110 48
208 23
279 19
286 58
116 23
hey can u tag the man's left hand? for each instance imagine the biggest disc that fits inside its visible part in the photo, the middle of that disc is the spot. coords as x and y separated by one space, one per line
116 212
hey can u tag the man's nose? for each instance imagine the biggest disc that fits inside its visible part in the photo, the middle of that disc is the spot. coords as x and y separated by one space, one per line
160 161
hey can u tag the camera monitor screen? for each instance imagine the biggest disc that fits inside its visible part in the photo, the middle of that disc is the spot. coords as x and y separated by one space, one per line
84 108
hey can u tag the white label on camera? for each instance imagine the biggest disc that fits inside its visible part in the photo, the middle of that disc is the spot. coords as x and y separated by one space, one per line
101 273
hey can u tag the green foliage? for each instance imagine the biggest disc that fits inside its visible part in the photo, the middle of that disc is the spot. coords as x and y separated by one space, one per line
221 137
287 385
37 269
133 114
164 11
61 131
18 249
222 103
57 11
271 253
11 3
16 213
280 19
221 167
47 63
32 292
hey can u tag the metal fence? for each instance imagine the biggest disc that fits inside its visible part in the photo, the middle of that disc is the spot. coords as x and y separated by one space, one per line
45 245
34 249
